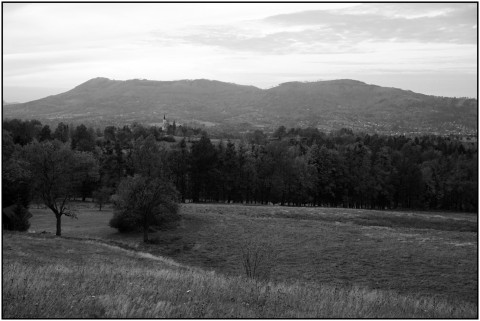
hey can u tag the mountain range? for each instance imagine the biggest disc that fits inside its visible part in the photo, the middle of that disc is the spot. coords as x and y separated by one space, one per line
327 105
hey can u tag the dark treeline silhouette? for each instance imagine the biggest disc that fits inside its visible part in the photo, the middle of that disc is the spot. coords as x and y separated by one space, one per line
298 167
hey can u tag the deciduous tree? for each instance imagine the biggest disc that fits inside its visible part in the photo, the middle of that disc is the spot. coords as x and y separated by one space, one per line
56 172
140 202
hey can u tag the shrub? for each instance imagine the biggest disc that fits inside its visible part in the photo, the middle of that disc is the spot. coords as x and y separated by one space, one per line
124 222
16 218
142 202
258 259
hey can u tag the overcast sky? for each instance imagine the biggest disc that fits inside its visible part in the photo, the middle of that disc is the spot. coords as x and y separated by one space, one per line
428 48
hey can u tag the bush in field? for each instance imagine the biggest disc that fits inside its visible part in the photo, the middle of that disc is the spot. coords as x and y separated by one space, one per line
16 177
123 221
258 259
16 218
142 202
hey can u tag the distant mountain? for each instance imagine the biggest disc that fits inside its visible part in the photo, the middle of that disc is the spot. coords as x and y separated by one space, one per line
8 103
327 105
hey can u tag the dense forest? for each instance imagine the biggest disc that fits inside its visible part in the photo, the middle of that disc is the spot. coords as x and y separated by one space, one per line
297 167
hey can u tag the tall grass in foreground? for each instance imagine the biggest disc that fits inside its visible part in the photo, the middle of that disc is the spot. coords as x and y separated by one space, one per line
131 291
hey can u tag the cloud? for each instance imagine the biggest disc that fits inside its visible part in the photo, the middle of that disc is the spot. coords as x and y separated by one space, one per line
318 40
260 44
335 31
275 43
408 10
400 22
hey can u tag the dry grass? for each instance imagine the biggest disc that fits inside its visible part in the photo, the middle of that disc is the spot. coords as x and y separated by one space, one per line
49 277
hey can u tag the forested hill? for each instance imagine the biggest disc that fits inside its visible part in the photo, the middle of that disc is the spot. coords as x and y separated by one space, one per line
327 105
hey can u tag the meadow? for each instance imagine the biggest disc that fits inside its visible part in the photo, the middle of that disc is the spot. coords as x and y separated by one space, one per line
325 262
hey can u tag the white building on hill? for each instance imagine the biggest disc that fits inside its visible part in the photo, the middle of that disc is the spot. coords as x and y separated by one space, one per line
165 124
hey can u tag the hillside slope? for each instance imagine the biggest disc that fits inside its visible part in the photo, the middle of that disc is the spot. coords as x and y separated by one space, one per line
354 104
327 105
48 277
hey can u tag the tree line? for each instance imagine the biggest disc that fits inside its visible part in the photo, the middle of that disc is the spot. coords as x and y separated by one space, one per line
296 167
340 169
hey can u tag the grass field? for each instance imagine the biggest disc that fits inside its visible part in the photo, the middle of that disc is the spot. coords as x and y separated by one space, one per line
405 256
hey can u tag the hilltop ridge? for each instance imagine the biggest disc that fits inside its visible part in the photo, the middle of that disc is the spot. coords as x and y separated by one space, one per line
327 105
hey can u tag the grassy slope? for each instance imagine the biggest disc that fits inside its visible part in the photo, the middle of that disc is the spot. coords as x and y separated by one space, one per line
408 260
327 247
50 277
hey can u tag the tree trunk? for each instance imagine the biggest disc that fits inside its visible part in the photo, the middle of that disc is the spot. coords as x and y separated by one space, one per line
59 225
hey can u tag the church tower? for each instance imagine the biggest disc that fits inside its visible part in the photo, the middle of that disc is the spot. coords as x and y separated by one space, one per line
164 124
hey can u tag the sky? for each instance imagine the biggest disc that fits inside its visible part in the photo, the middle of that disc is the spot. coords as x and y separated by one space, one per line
429 48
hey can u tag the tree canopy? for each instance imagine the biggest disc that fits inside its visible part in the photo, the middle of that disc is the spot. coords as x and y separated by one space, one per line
141 202
295 166
58 172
